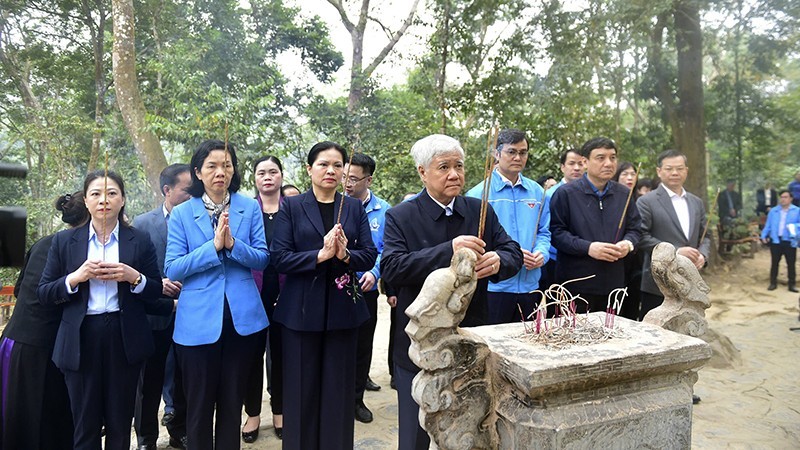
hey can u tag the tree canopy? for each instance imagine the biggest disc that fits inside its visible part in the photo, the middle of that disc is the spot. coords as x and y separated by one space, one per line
717 79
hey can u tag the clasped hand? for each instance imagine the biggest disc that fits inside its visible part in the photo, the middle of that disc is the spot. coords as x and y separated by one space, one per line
333 244
103 271
222 235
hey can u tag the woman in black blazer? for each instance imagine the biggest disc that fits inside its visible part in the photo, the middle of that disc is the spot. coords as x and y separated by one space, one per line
105 276
36 413
320 305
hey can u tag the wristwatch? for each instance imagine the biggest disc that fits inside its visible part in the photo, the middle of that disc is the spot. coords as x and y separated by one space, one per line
138 281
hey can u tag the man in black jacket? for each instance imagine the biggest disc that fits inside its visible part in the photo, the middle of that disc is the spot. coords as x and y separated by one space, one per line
421 236
585 227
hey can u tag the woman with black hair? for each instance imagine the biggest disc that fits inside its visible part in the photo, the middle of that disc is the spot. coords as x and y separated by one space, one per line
36 413
106 278
321 306
215 240
268 173
634 261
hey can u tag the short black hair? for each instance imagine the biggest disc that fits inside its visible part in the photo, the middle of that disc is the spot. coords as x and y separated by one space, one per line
365 162
670 154
598 142
509 136
199 157
322 146
102 173
542 179
644 182
787 191
169 176
565 153
623 166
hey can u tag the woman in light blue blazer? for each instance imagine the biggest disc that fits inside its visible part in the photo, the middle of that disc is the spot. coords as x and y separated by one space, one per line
214 241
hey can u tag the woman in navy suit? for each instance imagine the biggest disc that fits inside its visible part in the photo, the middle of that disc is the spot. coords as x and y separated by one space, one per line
215 239
36 413
106 277
320 305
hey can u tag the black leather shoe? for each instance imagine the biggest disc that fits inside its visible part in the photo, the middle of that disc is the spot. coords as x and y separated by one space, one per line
250 436
167 418
371 385
772 287
147 447
793 289
392 385
363 414
695 399
279 432
181 443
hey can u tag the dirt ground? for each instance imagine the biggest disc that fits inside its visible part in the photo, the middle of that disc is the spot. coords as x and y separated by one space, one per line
750 398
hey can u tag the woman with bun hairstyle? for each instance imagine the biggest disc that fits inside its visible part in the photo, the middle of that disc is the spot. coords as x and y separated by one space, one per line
36 412
105 277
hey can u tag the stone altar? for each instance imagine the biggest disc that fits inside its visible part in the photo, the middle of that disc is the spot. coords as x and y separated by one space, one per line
484 387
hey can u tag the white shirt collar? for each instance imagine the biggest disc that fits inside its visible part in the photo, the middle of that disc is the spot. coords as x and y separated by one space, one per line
507 181
449 205
672 194
114 232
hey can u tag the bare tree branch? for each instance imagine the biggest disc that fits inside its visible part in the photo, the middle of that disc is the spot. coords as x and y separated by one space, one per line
396 37
343 14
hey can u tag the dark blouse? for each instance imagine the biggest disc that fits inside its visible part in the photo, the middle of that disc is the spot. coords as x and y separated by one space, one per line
33 323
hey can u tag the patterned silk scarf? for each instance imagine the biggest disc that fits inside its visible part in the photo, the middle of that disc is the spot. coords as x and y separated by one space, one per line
215 209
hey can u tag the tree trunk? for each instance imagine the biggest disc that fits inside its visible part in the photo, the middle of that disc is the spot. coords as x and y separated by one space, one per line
146 144
97 32
691 119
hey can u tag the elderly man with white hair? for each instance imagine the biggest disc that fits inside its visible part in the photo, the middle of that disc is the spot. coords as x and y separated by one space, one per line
421 236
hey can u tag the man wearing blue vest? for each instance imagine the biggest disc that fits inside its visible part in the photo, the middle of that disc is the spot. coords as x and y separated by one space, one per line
358 179
523 210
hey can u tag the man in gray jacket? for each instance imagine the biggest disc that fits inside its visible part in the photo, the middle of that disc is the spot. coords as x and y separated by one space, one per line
670 214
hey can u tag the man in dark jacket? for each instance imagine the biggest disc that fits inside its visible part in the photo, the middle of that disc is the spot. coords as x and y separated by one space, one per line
585 227
421 236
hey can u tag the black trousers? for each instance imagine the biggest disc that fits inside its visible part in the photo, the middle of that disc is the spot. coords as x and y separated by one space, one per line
366 334
36 411
390 350
102 391
318 408
783 249
411 436
504 307
148 395
214 380
649 303
595 303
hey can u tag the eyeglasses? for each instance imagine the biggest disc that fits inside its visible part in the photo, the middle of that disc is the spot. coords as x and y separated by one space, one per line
514 153
354 180
670 169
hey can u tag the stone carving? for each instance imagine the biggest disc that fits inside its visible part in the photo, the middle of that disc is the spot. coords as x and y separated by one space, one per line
484 388
453 389
685 293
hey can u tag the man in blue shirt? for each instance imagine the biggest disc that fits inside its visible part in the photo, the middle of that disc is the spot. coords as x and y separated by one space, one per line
523 210
356 184
780 233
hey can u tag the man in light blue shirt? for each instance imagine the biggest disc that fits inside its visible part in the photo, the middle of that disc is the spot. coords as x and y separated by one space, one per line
780 233
523 210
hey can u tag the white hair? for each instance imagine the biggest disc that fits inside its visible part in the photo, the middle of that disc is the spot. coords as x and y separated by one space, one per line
429 147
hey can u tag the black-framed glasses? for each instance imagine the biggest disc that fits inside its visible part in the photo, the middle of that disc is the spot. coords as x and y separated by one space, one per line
354 180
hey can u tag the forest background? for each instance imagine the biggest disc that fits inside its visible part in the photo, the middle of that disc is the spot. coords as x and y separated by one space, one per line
140 83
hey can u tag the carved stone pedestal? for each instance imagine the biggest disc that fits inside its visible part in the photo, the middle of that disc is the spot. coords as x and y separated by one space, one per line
632 391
